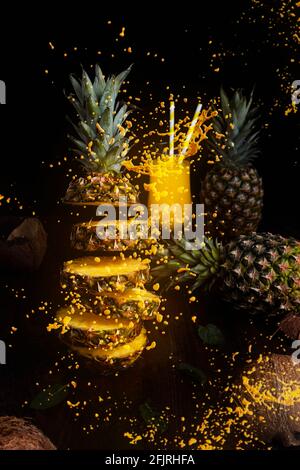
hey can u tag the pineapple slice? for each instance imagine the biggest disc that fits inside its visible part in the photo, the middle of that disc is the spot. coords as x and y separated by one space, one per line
92 273
121 356
84 236
81 327
88 321
132 303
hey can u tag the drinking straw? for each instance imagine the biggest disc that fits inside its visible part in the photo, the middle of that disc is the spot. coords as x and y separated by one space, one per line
191 131
172 128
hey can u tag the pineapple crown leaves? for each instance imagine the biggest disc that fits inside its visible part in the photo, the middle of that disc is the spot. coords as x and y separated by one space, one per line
100 140
237 122
178 263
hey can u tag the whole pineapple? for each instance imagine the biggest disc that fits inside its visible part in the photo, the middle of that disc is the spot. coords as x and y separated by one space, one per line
101 141
232 191
256 272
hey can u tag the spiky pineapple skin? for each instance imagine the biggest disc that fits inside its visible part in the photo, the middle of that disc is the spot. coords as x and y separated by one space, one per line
261 273
85 283
98 188
232 191
132 308
109 366
105 341
233 201
84 237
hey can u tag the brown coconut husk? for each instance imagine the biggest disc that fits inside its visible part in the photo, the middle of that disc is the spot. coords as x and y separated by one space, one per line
20 434
290 326
24 248
272 387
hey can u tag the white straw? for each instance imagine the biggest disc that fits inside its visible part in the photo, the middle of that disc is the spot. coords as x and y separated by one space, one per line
172 128
191 129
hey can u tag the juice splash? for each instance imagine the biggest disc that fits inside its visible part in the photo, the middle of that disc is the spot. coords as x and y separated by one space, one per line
170 175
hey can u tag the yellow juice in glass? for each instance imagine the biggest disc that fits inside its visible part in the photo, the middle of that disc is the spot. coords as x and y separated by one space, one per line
170 183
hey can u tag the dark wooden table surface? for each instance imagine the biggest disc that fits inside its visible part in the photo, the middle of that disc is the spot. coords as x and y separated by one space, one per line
154 379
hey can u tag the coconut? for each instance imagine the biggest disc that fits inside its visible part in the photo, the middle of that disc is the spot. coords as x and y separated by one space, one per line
20 434
290 326
269 390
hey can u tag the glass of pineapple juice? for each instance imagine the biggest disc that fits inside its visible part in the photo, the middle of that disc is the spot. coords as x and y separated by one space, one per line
170 183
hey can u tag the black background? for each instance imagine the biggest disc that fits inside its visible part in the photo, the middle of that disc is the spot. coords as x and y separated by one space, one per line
33 125
33 130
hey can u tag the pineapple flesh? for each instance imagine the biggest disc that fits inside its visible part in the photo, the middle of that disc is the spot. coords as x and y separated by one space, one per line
232 191
106 297
119 357
84 328
134 302
93 273
125 302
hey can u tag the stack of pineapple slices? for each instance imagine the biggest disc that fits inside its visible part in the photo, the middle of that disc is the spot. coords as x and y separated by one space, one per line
108 304
109 340
106 294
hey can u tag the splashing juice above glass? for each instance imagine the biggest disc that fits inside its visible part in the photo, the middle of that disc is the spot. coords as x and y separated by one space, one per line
170 174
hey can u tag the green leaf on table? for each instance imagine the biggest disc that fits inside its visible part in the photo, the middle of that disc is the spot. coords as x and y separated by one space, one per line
52 396
197 375
151 416
210 334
